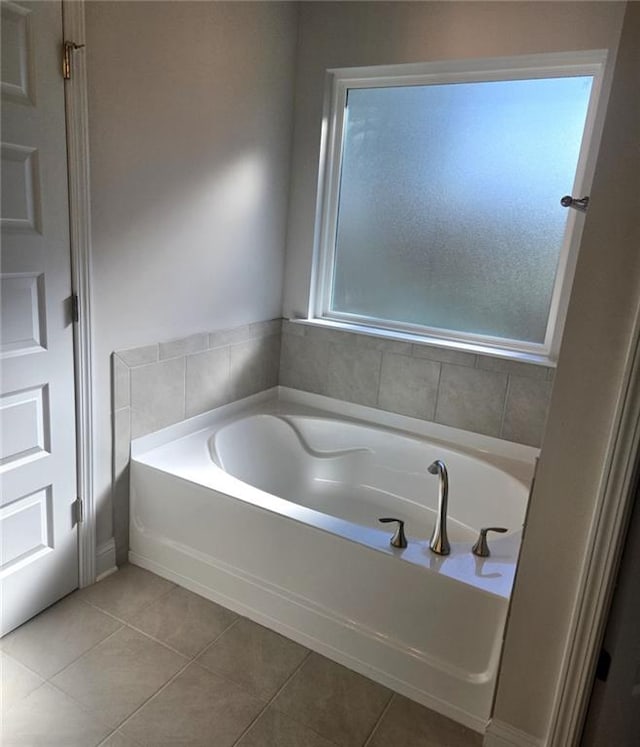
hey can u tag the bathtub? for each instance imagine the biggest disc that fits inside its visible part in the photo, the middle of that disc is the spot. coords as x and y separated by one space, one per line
270 506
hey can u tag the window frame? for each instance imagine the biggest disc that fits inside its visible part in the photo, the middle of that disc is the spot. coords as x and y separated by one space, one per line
337 85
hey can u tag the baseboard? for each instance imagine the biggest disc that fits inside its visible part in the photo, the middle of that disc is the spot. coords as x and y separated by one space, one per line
106 559
500 734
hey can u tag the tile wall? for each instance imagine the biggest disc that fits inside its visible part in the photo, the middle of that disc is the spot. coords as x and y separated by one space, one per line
161 384
496 397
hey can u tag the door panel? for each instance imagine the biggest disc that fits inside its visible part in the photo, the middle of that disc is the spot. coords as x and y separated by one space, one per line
39 554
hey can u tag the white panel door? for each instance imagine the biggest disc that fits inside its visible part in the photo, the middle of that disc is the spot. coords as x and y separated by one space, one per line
38 536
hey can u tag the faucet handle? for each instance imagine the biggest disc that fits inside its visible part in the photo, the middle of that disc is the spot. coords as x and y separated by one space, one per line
481 548
398 539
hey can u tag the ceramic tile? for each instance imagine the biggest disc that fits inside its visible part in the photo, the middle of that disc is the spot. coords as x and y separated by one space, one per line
334 701
257 658
198 709
292 328
118 739
444 355
408 723
303 363
208 380
518 368
471 399
267 328
223 337
184 346
329 334
16 682
120 499
354 374
157 396
370 342
121 384
254 365
408 386
139 356
526 410
184 621
275 729
54 638
117 676
121 439
126 592
49 717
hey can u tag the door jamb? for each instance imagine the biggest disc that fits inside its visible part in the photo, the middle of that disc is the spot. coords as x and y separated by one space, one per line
606 541
77 121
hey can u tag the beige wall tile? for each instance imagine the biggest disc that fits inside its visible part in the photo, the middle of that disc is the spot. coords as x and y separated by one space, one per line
208 380
471 399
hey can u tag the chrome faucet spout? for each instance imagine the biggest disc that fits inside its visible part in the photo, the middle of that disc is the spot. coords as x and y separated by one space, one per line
439 543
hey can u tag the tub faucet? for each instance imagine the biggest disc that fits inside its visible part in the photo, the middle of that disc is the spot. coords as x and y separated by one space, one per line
439 540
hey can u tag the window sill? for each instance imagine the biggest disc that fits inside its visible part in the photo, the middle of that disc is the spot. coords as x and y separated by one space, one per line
436 342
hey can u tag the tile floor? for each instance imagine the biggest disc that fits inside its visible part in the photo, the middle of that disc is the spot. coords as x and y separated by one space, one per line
136 660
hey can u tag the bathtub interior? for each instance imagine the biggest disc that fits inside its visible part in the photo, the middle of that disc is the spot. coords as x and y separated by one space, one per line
361 473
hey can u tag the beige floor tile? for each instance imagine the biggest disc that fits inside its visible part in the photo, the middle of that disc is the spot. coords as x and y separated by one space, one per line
57 636
48 718
16 680
126 592
197 709
406 722
275 729
183 620
118 739
118 675
334 701
254 657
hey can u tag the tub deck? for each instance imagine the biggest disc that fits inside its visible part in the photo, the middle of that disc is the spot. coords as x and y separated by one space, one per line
429 627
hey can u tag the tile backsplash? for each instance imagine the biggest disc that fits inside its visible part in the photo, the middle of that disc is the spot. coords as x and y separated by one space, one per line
496 397
160 384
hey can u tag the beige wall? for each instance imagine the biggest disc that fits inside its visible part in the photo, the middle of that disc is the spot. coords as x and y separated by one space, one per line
604 304
190 131
351 34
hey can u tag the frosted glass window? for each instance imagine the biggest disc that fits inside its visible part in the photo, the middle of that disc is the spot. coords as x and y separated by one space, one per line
449 212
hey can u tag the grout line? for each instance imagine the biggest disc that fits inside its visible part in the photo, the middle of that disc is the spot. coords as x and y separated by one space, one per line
216 639
504 405
90 712
84 653
273 697
435 405
28 668
174 677
367 741
171 679
184 388
382 355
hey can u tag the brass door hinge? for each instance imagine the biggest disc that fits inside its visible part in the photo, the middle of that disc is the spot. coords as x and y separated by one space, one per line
67 52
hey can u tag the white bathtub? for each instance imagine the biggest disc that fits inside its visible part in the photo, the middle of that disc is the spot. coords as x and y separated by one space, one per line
270 506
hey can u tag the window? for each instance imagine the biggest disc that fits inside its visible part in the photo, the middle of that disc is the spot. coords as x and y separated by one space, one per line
441 213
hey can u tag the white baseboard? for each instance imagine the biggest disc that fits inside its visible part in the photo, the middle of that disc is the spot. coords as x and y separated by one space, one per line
106 559
500 734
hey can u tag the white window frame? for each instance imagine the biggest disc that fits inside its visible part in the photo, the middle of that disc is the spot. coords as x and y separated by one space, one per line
338 84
